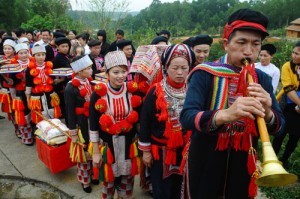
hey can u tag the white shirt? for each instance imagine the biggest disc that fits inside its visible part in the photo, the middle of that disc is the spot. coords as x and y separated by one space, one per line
87 50
41 43
272 71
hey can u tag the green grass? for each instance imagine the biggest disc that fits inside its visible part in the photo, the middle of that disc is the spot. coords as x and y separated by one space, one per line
290 191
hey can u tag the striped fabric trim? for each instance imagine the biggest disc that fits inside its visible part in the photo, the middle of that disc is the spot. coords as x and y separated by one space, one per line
144 146
197 120
94 136
224 59
220 93
218 70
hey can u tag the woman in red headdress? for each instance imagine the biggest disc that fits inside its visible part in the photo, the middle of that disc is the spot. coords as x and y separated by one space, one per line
161 136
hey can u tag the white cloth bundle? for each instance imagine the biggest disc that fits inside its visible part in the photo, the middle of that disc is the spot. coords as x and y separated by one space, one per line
50 133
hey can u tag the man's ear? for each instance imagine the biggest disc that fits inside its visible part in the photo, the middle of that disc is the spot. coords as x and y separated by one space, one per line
225 43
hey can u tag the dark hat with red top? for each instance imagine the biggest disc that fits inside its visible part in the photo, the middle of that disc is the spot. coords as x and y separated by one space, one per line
246 19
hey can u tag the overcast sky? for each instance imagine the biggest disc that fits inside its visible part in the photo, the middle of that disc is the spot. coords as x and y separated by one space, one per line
134 5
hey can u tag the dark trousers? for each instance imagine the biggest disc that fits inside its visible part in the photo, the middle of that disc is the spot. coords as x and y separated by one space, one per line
289 148
168 188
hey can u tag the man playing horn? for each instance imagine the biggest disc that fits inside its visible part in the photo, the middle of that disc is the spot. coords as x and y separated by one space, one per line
221 157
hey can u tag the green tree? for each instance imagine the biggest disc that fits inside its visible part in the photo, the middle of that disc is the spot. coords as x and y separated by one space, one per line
13 13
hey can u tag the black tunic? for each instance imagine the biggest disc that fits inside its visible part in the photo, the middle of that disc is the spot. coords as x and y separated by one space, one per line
49 53
74 100
104 48
61 61
148 120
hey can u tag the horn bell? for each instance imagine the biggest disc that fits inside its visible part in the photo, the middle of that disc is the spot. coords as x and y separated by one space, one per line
273 174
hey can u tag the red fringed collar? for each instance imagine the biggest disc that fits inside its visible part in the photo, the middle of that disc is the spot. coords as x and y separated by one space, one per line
173 134
174 84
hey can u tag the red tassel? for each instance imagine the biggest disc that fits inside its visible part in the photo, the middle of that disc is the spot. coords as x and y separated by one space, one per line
19 108
185 154
6 103
161 104
110 173
155 152
57 112
187 137
131 151
22 120
134 167
175 140
237 141
245 142
109 156
251 160
223 141
171 156
96 173
35 118
252 190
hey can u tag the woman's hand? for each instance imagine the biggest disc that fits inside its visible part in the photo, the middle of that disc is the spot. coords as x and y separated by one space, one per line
147 158
97 160
88 156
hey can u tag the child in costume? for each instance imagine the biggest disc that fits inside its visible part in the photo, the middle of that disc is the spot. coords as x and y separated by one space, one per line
43 102
77 97
20 104
8 92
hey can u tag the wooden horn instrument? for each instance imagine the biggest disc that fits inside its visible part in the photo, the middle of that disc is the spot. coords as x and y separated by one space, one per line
273 174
